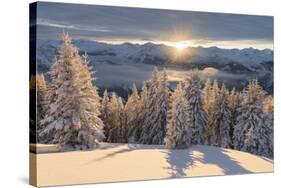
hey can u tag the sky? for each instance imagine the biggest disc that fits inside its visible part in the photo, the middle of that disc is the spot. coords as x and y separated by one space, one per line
137 25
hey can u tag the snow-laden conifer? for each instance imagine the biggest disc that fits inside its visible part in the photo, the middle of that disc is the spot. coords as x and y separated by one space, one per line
178 127
115 123
132 111
198 117
137 125
251 130
221 123
123 121
105 113
37 90
72 118
154 128
41 88
213 106
234 102
208 106
207 91
268 108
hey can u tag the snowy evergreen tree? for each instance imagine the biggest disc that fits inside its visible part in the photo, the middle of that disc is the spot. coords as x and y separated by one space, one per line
178 127
198 121
207 91
140 114
132 111
114 127
268 108
37 104
208 106
32 109
154 128
211 94
123 121
221 123
234 103
251 133
41 107
105 113
116 120
72 118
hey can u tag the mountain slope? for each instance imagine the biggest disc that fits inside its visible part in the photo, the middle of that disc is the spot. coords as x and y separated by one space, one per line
160 54
128 162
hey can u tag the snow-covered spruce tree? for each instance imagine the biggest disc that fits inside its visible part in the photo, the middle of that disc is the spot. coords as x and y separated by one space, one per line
51 96
214 102
207 91
40 91
154 128
234 102
198 117
221 123
208 106
268 108
123 121
32 104
178 133
72 119
37 100
115 123
136 130
105 113
41 88
251 131
132 111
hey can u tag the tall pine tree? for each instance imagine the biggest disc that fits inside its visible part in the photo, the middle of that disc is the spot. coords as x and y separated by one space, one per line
136 129
178 128
132 110
251 131
41 107
72 118
198 116
208 106
115 122
154 128
268 108
234 103
105 113
221 123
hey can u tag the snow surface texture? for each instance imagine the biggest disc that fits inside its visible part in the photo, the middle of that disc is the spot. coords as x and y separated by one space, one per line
131 162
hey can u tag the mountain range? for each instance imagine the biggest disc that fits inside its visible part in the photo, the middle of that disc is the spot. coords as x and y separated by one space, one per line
119 65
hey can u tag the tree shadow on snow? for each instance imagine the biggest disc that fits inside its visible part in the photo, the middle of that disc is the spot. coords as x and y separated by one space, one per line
205 155
112 154
120 149
219 157
178 163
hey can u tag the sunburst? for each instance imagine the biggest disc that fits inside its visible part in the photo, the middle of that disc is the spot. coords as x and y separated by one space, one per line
180 46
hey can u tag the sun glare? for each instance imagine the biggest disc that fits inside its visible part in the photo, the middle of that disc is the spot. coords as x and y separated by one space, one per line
180 45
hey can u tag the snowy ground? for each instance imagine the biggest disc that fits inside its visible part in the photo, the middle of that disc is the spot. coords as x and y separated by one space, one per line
123 162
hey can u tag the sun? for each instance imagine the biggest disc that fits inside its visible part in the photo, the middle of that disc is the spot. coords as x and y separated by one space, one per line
180 45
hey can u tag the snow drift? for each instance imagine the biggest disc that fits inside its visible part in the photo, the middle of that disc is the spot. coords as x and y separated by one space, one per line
131 162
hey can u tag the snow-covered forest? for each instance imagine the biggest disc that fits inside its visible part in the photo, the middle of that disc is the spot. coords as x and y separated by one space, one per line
71 113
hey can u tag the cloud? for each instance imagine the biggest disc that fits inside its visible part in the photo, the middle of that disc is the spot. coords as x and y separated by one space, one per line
208 72
153 24
50 23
